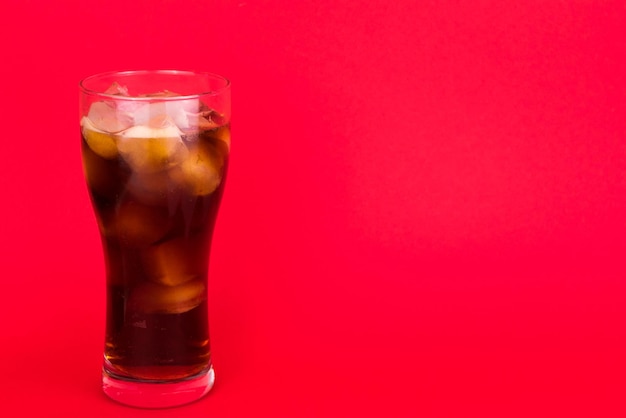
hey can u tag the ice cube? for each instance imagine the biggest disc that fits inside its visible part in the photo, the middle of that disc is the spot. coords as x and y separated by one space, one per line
223 134
181 110
149 297
134 109
204 119
205 123
117 89
176 261
138 225
176 110
153 147
100 142
199 121
201 172
106 117
219 119
151 188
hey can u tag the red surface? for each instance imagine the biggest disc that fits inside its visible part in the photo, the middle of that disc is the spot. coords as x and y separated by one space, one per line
424 214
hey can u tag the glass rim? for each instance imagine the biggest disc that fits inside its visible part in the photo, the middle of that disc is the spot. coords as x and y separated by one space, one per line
213 92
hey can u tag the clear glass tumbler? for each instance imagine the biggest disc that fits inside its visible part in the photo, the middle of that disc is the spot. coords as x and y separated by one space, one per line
155 148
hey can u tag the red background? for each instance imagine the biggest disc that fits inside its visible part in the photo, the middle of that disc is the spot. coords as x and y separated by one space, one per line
424 214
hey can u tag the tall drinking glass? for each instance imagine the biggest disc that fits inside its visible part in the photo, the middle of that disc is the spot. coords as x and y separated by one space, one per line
155 147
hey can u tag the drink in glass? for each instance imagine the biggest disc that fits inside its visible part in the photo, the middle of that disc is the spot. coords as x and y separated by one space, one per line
155 148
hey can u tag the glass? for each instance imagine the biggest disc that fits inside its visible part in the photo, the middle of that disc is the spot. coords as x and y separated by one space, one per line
155 148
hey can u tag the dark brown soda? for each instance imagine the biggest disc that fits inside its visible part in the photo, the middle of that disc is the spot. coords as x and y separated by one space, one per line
156 236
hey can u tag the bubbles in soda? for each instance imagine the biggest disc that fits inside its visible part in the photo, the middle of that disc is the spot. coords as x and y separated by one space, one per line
155 172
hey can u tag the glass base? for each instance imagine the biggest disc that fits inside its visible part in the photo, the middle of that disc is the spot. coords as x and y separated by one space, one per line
157 395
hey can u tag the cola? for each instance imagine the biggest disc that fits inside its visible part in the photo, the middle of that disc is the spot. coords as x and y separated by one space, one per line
155 174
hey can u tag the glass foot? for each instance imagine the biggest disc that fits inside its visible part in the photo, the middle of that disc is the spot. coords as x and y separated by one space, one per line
157 395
